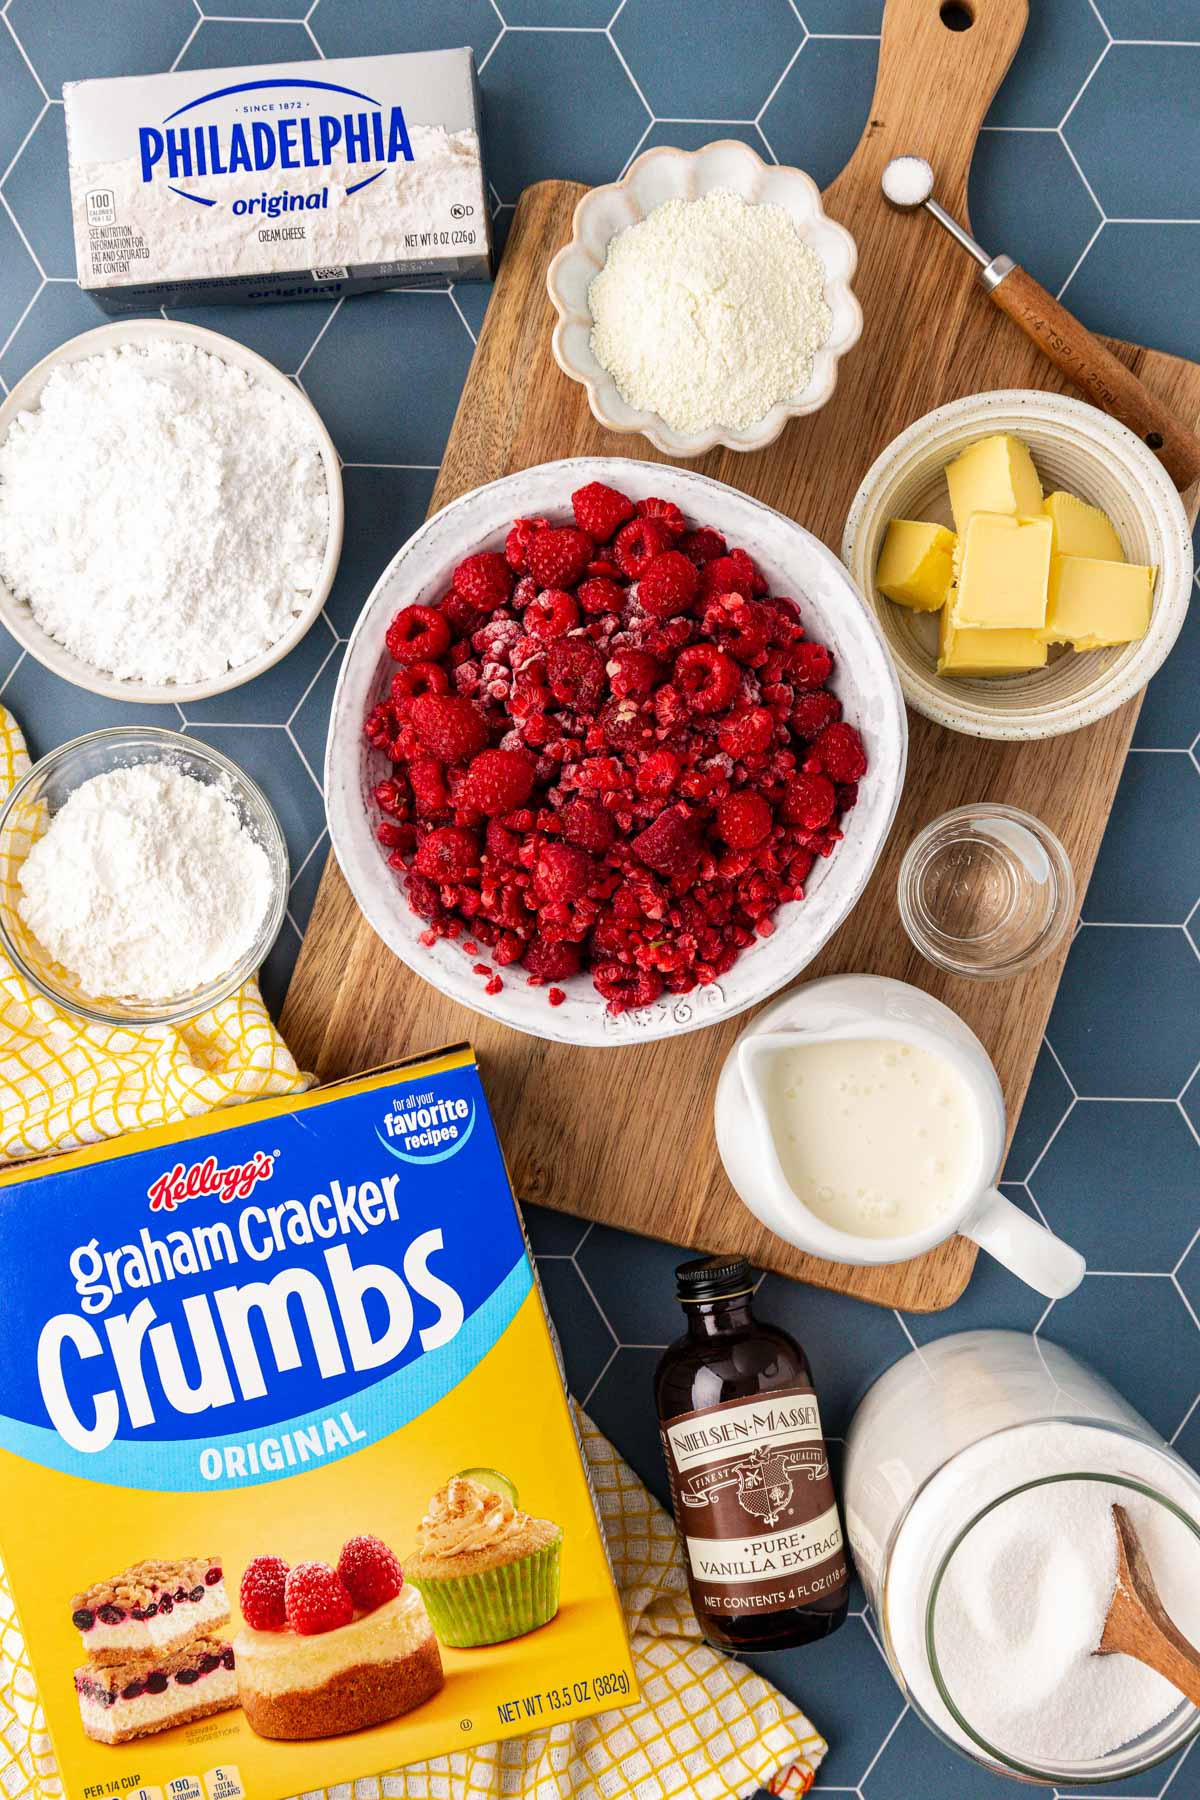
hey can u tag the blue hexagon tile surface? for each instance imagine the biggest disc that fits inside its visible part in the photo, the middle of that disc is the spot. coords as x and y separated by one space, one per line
1086 172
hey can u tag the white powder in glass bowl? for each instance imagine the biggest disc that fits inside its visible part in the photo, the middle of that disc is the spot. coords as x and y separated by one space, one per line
146 884
164 514
709 312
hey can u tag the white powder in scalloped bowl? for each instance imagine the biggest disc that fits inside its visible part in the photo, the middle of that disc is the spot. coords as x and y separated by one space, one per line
146 884
710 312
164 514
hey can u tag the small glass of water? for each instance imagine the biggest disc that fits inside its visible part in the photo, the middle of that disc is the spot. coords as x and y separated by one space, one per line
986 891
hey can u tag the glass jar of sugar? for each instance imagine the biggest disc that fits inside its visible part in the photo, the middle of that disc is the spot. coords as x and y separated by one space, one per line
980 1476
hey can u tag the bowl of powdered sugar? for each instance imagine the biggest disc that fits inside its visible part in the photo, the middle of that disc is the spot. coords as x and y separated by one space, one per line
143 877
170 512
704 299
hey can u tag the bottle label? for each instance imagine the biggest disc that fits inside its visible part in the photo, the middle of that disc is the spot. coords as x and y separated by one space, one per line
754 1503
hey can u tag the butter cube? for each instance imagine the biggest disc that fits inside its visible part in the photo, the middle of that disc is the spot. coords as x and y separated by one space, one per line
968 652
915 566
1004 572
1094 603
1082 530
996 475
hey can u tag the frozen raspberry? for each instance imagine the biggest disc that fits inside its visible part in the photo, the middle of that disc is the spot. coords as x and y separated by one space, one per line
666 512
624 724
485 580
742 626
840 752
498 782
516 544
601 594
747 733
709 679
633 672
808 800
562 872
658 774
637 542
381 725
391 798
667 585
261 1596
448 855
599 510
672 844
460 614
809 665
624 989
418 634
546 961
558 556
316 1599
702 546
448 726
587 824
733 573
552 614
418 678
428 786
743 820
812 712
370 1572
575 670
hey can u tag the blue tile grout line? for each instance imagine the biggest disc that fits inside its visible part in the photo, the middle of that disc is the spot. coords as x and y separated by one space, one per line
1098 122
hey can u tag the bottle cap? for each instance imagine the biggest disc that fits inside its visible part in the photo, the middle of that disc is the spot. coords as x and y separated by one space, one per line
714 1278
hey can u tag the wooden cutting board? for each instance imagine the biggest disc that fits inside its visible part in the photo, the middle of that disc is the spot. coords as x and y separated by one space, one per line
625 1135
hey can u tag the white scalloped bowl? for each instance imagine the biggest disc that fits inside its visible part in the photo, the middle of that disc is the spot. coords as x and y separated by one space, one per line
1075 447
795 563
668 174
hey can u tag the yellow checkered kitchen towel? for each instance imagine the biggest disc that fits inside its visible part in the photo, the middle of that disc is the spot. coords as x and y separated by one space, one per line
706 1728
64 1083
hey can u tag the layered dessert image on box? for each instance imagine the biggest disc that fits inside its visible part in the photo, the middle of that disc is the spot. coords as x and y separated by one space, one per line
327 1651
130 1699
152 1608
485 1570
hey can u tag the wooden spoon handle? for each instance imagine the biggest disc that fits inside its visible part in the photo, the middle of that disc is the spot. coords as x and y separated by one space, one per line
1138 1623
1105 380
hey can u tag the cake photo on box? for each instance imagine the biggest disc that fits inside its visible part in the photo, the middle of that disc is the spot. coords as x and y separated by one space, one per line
486 1571
327 1651
154 1606
119 1701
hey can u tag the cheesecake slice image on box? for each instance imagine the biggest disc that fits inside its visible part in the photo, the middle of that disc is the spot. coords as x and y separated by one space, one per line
146 1694
153 1606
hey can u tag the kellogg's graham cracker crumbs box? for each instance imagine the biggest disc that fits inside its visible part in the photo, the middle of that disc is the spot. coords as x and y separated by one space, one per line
292 1492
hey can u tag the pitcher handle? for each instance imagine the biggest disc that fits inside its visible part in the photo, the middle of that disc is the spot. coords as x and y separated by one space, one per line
1032 1253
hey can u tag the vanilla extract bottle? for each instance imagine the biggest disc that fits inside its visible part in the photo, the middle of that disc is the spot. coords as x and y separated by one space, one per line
749 1471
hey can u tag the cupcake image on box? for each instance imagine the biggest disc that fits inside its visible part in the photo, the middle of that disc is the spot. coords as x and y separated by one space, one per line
485 1570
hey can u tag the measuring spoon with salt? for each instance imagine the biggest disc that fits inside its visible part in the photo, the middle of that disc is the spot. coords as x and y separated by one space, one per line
907 183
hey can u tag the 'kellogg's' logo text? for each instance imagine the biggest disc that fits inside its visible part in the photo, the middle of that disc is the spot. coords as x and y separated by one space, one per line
176 1185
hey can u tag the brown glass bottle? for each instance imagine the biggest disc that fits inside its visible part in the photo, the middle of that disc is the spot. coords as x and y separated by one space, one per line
749 1472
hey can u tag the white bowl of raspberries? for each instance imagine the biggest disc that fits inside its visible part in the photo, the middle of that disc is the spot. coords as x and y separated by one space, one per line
613 751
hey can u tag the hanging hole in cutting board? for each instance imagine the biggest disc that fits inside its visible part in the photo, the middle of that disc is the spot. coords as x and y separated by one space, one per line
1154 440
956 15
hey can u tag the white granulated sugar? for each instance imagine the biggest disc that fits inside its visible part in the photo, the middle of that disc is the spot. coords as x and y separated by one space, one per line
1022 1609
164 514
146 884
709 312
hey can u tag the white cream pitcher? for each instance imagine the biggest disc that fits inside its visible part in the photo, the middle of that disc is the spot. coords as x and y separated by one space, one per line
868 1009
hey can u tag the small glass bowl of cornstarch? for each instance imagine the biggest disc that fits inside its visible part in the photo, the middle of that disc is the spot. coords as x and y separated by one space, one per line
143 877
170 512
704 299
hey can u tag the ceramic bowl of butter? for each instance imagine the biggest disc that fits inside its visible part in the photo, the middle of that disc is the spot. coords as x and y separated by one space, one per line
704 299
1028 559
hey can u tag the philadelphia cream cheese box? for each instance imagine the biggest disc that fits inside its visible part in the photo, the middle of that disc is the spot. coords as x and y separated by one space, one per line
284 182
292 1492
